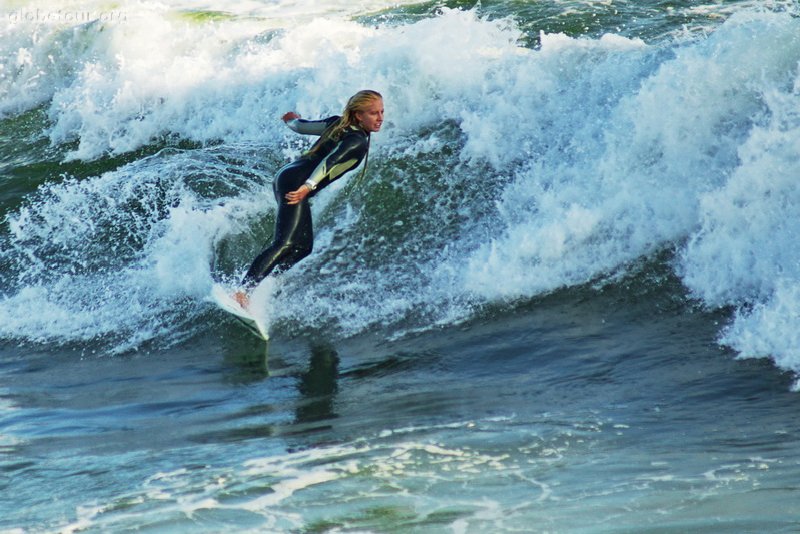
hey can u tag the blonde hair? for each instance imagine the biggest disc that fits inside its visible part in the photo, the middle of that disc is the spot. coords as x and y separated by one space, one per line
358 102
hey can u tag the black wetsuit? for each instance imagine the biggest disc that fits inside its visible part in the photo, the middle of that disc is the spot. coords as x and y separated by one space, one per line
326 161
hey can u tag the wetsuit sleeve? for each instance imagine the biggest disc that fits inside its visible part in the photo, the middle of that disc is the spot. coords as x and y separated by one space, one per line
306 127
344 157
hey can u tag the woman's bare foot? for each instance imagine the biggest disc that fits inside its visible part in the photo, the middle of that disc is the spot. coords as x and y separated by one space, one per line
242 298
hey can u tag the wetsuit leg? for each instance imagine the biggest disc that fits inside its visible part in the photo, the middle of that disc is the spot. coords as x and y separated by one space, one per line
294 236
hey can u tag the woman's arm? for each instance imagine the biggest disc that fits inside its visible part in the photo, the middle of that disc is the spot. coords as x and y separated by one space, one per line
345 157
306 127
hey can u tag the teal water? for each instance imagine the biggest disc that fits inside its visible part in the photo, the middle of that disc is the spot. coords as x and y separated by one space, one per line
564 299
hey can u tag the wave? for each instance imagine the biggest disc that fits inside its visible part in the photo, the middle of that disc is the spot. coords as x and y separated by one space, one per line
503 172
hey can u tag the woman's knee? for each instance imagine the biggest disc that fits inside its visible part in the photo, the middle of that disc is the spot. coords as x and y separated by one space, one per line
300 252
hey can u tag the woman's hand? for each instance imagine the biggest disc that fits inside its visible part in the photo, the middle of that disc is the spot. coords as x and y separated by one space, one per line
297 196
289 115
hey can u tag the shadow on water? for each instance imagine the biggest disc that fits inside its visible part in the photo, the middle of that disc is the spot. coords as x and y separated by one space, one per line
318 385
220 390
250 363
293 397
247 363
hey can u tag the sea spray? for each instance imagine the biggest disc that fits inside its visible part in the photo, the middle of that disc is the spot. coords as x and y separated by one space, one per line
122 256
743 253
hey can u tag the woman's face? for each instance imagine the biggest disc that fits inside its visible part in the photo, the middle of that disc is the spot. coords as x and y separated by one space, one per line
371 118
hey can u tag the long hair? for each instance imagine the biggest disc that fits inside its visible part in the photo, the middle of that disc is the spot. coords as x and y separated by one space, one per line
358 102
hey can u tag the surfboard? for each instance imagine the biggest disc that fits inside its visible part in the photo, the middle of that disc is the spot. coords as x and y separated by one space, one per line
225 301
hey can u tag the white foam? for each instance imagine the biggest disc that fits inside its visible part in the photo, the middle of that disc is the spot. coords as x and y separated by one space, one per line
743 253
115 84
113 257
293 490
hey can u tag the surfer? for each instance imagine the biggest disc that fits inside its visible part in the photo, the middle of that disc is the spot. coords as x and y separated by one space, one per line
343 143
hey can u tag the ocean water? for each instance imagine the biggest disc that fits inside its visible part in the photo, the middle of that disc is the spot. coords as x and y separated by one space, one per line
565 297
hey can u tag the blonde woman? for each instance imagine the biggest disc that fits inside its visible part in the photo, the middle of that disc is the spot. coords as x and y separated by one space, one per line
342 145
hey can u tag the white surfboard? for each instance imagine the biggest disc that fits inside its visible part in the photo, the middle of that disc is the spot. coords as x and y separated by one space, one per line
225 300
